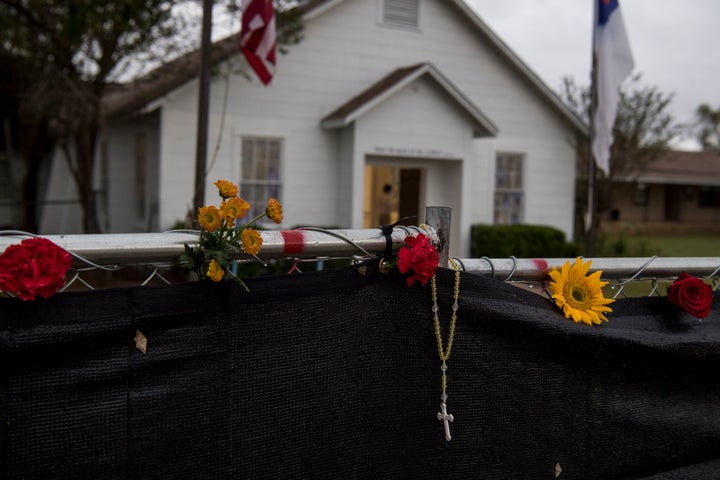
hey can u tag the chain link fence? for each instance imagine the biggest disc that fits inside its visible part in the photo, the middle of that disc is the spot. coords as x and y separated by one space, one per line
145 259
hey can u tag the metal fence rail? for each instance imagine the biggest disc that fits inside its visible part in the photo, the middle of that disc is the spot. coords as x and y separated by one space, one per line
155 252
534 269
163 248
653 273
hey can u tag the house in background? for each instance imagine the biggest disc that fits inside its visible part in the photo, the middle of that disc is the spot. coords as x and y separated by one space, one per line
678 189
417 94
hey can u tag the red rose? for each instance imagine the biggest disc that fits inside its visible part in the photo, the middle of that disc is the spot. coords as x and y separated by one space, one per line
34 267
419 257
691 295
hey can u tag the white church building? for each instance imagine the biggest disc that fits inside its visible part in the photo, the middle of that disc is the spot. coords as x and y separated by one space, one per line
420 95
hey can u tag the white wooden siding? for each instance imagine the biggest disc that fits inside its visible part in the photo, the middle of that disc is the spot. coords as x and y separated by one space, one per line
345 50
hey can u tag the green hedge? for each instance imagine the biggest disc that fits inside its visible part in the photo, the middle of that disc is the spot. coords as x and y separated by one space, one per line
521 241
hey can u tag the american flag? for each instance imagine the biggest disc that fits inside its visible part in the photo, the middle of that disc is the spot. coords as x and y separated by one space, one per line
257 37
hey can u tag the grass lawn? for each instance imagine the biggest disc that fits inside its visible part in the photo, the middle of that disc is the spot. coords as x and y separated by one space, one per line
625 245
659 245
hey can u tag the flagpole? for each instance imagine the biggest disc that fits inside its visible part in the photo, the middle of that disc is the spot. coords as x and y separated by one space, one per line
203 107
591 216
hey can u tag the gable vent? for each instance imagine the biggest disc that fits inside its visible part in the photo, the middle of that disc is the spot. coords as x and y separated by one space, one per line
402 13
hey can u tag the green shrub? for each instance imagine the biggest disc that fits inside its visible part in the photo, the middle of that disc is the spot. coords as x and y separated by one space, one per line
521 241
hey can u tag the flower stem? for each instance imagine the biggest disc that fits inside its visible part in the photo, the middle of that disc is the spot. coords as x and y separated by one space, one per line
237 279
239 232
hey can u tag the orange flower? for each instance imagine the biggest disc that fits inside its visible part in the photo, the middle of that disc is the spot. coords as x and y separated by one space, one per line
274 210
215 272
251 241
233 208
227 189
209 218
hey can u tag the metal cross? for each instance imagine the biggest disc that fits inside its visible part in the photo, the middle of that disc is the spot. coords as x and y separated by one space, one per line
446 418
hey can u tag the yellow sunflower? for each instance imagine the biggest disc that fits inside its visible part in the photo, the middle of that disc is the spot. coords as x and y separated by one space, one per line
226 188
580 296
215 272
209 218
274 210
251 241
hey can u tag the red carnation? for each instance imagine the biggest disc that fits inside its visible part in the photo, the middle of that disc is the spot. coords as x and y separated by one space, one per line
691 295
419 257
34 267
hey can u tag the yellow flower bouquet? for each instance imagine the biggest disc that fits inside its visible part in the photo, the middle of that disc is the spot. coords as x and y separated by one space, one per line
222 239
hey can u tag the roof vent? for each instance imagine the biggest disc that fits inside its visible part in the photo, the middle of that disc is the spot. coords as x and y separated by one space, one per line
401 13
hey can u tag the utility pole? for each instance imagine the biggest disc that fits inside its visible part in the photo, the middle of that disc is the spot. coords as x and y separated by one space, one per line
203 107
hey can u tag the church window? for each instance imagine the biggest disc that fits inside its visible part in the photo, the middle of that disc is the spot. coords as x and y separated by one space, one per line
509 194
260 176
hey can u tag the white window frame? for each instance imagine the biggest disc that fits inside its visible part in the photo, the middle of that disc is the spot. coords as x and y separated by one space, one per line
255 186
509 185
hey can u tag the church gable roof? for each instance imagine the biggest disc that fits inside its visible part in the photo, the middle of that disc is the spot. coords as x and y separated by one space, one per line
396 80
317 7
131 97
537 83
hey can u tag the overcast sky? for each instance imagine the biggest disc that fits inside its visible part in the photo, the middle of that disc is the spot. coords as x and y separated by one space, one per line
676 44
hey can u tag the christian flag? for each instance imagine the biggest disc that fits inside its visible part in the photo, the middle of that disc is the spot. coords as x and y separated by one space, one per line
614 63
257 37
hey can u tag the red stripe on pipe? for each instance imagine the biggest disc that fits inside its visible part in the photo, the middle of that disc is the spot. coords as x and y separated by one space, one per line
541 264
294 241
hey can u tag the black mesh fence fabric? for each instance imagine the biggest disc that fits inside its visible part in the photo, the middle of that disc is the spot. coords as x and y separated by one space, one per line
335 375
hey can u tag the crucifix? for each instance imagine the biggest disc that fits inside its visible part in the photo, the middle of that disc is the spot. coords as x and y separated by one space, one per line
446 418
444 351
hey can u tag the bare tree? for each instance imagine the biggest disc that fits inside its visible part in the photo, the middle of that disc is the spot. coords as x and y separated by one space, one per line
707 127
66 54
643 130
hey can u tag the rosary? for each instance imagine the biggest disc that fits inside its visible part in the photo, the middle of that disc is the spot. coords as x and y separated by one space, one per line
444 351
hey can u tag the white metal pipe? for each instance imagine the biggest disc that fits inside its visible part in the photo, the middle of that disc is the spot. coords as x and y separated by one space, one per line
536 269
162 248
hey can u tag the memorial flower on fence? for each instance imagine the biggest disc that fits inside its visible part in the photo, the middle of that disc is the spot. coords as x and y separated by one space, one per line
35 266
578 294
417 260
691 295
222 239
